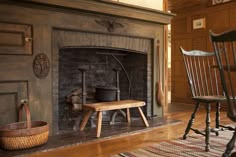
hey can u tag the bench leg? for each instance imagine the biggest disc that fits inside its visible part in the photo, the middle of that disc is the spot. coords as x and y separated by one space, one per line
128 115
85 120
143 117
99 123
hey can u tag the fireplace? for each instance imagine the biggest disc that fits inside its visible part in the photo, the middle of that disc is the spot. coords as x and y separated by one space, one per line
99 55
71 31
100 64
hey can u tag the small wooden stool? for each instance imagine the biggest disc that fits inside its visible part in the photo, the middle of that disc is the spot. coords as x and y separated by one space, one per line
114 105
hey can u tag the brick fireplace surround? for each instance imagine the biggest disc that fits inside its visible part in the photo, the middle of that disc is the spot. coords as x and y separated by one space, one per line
62 27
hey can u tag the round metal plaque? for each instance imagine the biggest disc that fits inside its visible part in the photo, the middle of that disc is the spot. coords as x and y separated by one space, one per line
41 65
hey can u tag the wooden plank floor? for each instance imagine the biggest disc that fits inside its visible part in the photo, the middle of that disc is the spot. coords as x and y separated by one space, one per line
112 146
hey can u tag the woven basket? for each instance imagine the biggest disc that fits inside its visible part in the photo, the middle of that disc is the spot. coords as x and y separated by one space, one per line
22 135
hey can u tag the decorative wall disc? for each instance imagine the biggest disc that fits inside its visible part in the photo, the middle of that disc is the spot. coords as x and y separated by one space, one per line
41 65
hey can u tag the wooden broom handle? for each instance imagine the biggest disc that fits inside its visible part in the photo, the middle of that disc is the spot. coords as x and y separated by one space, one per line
27 111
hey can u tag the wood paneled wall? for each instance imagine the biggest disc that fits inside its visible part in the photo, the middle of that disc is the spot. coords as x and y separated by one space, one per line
218 18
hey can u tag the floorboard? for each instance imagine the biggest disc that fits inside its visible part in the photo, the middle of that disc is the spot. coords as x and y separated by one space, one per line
128 140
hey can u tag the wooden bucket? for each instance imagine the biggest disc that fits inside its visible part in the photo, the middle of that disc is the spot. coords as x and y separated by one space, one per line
22 135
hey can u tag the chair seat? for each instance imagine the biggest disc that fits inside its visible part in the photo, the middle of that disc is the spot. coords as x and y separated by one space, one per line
210 98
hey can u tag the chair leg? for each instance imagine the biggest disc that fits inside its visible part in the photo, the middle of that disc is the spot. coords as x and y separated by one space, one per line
190 122
230 145
217 120
208 128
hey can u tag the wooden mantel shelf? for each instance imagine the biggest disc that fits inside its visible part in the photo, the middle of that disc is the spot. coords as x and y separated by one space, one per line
106 7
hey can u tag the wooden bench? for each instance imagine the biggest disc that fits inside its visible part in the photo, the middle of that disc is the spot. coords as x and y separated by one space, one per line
114 105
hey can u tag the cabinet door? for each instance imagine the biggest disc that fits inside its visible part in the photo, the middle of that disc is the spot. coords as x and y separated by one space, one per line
15 39
11 94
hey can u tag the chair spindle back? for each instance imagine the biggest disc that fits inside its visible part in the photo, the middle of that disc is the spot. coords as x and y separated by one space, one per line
202 72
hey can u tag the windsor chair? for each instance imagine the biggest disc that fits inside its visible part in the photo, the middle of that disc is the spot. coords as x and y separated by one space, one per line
203 80
224 45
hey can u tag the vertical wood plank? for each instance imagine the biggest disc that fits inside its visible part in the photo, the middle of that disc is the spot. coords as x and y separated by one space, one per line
166 80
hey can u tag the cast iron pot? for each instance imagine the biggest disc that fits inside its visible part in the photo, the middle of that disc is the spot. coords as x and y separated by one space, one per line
105 93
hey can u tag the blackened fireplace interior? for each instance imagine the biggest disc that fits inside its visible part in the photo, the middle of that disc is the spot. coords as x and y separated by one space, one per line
100 66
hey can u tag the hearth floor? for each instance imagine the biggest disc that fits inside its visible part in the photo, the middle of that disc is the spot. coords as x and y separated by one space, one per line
89 135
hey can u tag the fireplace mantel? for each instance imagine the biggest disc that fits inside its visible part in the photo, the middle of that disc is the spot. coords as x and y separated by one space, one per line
36 29
109 8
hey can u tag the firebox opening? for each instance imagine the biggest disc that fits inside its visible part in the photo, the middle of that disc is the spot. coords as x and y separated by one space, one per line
100 66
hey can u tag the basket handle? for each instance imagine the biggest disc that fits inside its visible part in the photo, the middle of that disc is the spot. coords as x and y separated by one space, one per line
24 105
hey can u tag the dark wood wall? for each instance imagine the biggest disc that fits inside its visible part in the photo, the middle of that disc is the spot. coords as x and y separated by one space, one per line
218 18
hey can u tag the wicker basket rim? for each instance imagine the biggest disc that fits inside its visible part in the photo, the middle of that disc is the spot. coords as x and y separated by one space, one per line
12 129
